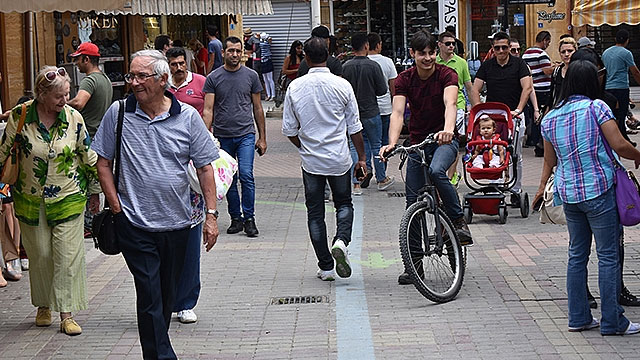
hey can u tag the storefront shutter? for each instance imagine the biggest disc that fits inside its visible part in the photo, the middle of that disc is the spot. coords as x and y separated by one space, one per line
290 21
600 12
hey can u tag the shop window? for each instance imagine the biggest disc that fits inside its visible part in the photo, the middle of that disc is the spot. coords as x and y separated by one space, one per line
350 18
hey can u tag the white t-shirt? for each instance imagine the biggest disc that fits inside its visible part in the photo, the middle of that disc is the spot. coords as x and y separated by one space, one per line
389 71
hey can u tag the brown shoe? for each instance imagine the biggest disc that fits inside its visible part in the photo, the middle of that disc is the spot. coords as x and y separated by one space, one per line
43 317
70 327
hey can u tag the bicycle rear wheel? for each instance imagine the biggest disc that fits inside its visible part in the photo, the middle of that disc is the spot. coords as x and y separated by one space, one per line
437 271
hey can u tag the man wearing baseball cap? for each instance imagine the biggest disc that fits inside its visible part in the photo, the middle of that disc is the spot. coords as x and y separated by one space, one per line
334 65
94 96
585 42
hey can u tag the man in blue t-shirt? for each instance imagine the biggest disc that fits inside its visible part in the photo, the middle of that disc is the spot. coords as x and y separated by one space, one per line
619 61
215 49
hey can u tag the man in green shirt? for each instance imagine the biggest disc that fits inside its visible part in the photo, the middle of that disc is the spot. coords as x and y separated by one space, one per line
93 99
95 93
447 56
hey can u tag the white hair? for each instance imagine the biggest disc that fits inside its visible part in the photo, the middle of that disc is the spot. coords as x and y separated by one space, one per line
158 61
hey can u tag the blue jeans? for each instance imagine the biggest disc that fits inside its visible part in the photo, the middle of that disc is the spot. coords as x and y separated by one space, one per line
597 217
314 200
443 157
385 129
372 128
623 108
189 283
242 148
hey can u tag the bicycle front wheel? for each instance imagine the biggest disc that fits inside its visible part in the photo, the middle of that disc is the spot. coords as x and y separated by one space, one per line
436 267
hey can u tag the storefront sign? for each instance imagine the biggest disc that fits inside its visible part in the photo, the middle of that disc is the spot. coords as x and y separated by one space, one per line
518 19
448 13
102 22
550 2
550 16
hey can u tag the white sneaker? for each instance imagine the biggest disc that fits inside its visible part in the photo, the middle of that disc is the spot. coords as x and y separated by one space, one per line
24 263
326 275
187 316
339 253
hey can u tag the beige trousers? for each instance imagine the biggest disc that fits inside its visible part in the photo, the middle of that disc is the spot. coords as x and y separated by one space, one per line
57 271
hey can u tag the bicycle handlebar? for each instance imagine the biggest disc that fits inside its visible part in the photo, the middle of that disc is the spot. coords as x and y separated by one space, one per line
430 139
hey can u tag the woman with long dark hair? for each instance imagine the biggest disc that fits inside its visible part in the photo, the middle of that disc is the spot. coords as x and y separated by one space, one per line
293 60
574 134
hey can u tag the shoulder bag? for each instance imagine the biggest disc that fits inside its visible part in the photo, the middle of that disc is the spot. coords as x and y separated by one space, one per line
550 214
10 169
103 226
627 189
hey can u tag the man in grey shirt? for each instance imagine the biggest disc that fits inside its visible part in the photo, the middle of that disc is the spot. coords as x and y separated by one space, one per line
232 104
319 111
151 204
368 82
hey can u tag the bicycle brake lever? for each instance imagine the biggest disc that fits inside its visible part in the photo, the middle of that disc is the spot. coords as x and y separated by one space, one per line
403 158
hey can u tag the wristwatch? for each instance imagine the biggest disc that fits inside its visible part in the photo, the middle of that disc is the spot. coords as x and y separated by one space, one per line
213 212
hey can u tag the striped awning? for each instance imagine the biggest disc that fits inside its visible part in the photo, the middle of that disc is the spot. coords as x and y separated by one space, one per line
600 12
195 7
7 6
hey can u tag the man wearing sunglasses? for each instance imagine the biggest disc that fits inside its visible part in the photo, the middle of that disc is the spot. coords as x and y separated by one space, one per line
508 81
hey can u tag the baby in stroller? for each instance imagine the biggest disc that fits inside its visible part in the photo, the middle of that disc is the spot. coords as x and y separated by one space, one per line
488 155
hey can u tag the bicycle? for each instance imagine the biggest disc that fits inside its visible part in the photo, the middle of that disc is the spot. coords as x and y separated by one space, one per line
429 245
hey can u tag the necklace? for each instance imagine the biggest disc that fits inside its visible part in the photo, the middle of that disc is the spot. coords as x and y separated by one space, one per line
52 153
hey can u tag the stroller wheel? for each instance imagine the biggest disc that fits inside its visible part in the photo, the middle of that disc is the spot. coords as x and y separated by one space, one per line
468 214
524 205
502 214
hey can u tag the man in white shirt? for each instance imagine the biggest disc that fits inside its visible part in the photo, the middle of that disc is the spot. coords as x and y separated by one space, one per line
384 101
319 110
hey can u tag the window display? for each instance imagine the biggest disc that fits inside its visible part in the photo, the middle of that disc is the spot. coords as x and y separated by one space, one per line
350 18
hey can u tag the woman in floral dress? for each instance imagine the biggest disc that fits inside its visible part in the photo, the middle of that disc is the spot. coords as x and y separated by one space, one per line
56 175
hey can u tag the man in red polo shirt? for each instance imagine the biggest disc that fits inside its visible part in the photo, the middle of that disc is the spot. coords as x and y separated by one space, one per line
432 91
185 85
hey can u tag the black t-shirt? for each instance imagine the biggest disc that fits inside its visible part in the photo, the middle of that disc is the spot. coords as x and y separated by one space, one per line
503 82
334 65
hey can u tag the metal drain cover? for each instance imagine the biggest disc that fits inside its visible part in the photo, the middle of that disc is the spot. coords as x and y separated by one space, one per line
396 194
291 300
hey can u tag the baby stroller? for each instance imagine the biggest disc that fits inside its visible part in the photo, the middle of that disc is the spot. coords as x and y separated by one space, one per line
489 184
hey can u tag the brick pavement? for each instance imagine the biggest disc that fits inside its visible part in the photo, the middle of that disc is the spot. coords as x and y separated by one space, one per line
512 305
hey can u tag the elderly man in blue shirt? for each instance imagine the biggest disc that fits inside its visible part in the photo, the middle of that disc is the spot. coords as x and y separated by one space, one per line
160 135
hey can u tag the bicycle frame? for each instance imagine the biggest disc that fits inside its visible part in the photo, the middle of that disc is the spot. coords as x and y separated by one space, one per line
428 192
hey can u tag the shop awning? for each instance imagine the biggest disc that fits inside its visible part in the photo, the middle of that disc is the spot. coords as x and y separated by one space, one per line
599 12
196 7
21 6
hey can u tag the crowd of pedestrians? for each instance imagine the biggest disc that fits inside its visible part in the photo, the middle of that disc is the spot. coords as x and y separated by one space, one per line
342 118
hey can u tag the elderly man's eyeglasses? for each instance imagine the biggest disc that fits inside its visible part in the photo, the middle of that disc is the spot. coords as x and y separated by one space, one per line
51 75
142 77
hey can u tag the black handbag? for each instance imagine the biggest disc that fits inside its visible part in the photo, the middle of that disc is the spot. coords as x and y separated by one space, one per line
103 227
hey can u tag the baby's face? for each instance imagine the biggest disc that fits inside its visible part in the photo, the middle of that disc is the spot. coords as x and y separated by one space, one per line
486 129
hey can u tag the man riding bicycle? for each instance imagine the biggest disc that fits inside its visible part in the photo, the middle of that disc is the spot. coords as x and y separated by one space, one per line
431 90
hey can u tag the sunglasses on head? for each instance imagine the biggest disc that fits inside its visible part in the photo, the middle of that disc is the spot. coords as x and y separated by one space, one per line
515 50
500 47
51 75
449 43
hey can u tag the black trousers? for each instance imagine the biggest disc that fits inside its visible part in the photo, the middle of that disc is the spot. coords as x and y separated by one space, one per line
623 108
155 260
